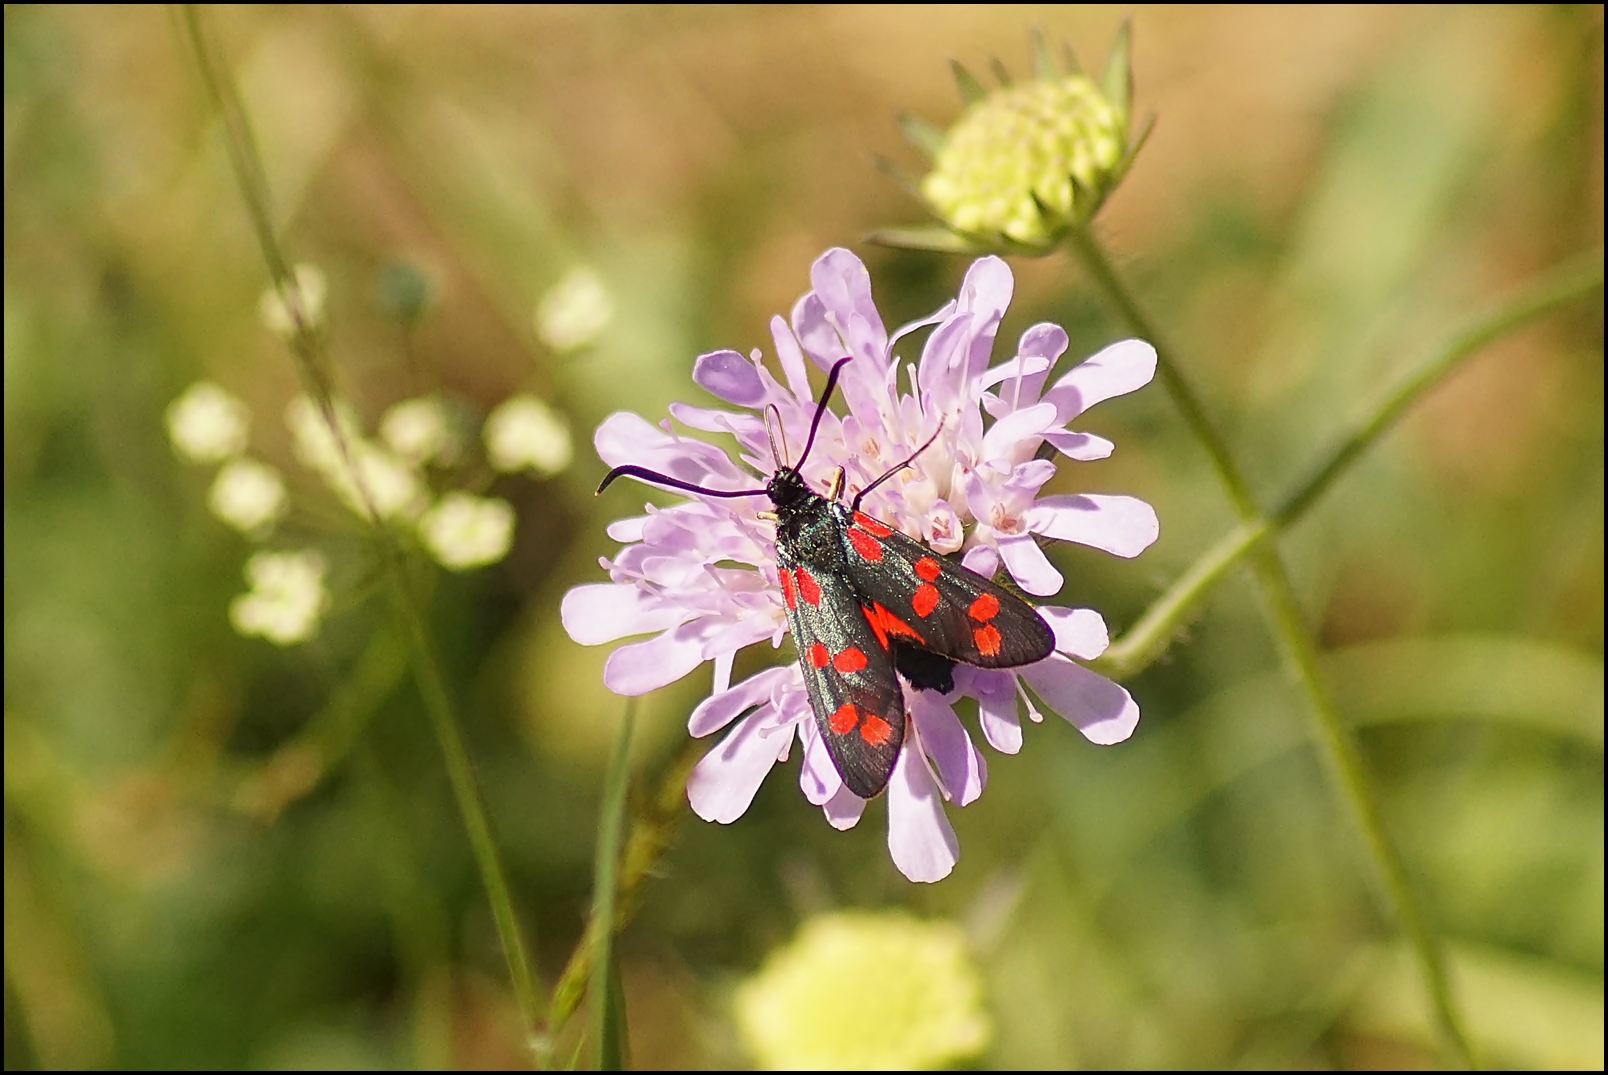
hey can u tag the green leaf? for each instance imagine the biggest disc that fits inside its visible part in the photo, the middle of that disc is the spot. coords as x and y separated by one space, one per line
1117 81
1001 73
925 136
934 237
971 91
907 182
1069 59
1043 62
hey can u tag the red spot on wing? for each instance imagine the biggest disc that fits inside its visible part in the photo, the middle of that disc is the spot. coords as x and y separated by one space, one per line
850 660
867 546
928 569
875 730
844 720
985 608
789 593
893 625
876 626
865 522
925 600
808 588
987 639
819 657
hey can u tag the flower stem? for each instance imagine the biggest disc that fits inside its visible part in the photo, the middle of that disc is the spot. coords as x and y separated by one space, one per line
307 347
1146 640
1299 651
608 1027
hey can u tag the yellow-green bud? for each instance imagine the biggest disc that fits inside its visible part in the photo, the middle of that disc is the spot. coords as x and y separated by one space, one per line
1029 161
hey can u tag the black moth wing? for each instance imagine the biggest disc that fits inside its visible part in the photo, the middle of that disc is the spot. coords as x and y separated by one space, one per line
856 697
914 597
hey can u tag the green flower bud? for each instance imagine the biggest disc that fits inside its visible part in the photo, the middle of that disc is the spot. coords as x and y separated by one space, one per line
1029 161
1025 163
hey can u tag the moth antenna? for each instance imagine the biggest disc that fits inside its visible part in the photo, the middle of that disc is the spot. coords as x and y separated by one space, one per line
820 408
776 434
896 469
653 477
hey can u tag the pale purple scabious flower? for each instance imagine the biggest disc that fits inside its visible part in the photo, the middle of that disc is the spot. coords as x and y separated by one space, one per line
701 575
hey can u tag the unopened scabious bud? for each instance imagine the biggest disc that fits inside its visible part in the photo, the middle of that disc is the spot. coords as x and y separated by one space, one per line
1025 163
1029 161
862 991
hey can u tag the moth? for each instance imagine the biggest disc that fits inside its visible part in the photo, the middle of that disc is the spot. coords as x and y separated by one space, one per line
867 604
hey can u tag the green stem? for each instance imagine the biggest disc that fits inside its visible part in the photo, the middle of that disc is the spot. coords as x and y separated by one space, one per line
307 346
607 1014
1300 657
1146 640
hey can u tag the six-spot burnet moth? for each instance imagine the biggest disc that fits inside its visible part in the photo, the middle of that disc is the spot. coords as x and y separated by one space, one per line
866 604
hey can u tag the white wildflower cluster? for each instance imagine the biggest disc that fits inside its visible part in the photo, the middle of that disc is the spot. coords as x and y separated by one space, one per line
390 478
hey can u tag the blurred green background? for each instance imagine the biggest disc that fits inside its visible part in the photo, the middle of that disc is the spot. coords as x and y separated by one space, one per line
1328 194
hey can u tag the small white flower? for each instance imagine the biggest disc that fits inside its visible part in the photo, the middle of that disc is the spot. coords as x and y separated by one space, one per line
419 430
208 425
574 310
286 599
311 440
392 485
312 289
464 531
248 495
525 432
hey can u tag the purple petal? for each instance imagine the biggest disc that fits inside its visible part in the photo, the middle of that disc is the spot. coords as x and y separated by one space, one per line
729 376
1025 365
715 421
983 559
629 438
1017 426
920 839
1120 525
997 708
1097 707
628 530
985 292
1118 369
1028 565
1081 446
942 369
815 333
933 318
1078 631
604 611
792 360
961 768
1026 479
645 666
844 287
726 779
719 710
843 810
818 778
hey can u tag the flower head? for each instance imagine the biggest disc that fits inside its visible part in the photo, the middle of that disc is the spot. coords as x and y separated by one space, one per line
573 311
523 433
420 430
701 575
463 531
1027 162
915 1000
208 425
360 473
286 599
248 495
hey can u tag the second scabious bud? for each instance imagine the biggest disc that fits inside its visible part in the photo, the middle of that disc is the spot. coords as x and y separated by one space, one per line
1027 162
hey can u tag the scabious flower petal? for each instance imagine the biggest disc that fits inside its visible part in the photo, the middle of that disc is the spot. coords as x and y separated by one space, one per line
641 667
843 810
717 711
729 376
725 780
1119 525
920 839
818 778
1103 711
1114 371
1028 565
1080 632
996 707
627 438
603 612
962 772
1084 447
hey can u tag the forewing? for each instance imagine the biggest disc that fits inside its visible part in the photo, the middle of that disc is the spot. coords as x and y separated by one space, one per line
915 596
859 707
